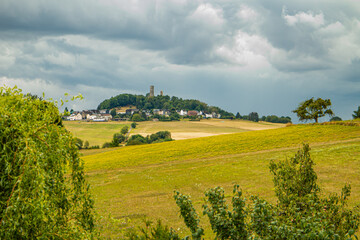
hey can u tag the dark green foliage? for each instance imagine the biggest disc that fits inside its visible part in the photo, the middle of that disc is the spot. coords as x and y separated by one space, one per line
301 211
43 194
113 112
107 145
137 140
313 109
174 116
335 119
253 116
188 212
356 113
133 125
160 137
160 102
295 179
79 143
226 224
124 130
238 116
117 139
94 147
276 119
158 232
137 118
86 144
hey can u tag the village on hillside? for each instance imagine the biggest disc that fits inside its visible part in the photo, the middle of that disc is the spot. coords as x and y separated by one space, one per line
126 114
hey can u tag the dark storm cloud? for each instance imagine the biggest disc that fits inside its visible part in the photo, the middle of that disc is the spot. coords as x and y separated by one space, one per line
241 55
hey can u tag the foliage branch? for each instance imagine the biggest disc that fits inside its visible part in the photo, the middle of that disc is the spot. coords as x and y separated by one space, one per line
43 194
301 212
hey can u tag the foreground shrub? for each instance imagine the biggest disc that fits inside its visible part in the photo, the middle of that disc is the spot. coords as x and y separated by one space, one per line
43 190
149 232
301 211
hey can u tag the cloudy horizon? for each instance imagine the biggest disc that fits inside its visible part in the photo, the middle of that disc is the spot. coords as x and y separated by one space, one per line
243 56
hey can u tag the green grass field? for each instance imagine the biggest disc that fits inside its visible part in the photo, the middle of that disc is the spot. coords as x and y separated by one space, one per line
97 133
132 183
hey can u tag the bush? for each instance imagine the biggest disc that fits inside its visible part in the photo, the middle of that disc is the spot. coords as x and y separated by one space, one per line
137 118
94 147
125 130
133 125
160 137
43 194
300 213
335 119
107 145
137 140
79 143
159 232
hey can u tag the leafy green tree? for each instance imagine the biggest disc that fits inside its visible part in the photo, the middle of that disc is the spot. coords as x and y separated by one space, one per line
136 118
66 112
137 140
113 112
238 116
174 116
117 139
44 194
254 116
79 143
313 109
133 125
356 113
124 130
86 144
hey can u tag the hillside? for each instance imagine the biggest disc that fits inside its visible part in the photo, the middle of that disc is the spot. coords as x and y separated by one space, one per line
160 102
138 181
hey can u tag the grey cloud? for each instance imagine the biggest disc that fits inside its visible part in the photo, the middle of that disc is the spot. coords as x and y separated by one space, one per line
242 56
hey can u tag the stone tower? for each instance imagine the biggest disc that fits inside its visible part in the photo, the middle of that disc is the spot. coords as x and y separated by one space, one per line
161 93
151 91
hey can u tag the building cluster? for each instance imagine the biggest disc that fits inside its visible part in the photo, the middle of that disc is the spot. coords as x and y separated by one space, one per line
126 113
90 115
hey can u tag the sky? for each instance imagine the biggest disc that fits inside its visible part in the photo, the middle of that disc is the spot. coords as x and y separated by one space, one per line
243 56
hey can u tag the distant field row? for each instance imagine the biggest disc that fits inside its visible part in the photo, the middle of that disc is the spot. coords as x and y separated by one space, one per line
97 133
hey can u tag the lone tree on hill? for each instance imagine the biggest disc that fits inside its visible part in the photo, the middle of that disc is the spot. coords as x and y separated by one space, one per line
356 113
313 109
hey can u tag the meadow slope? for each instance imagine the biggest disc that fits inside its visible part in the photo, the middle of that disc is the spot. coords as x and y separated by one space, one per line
134 182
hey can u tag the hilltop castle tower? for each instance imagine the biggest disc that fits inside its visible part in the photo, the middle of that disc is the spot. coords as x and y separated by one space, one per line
151 91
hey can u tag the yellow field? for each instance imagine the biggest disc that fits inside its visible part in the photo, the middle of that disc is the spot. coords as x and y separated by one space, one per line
131 183
97 133
207 127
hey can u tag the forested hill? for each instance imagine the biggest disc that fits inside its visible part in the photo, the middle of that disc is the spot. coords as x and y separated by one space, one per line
159 102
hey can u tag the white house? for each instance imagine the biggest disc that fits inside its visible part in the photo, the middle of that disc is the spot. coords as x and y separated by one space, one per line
75 117
183 113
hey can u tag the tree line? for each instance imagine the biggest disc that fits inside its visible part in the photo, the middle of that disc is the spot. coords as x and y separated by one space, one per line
160 102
